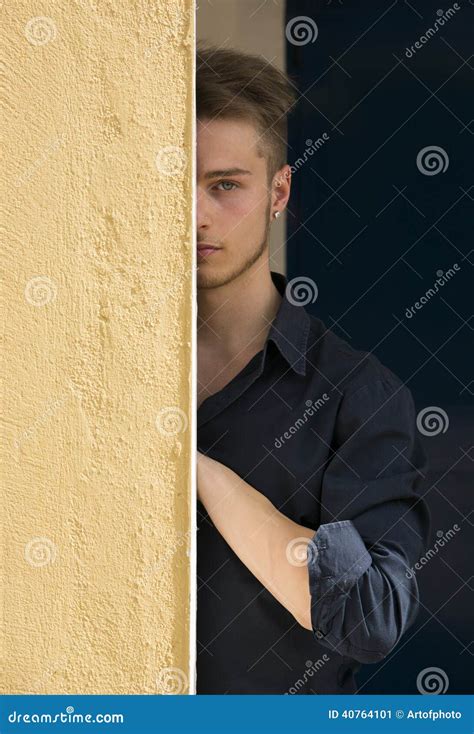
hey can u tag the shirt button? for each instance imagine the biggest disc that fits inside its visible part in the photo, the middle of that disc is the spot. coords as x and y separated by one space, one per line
319 634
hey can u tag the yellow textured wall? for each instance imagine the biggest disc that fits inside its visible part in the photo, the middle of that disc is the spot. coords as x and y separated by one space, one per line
96 498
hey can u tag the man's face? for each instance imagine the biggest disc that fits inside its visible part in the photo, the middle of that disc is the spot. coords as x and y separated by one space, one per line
233 210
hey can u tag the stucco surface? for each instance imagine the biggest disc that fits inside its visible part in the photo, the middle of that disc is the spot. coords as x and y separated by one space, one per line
97 346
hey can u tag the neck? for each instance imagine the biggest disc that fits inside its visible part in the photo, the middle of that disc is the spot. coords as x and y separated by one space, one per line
235 318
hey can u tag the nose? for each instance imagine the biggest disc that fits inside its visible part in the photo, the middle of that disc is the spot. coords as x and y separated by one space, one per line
203 213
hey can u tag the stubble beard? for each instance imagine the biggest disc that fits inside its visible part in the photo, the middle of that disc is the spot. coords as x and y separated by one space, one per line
217 280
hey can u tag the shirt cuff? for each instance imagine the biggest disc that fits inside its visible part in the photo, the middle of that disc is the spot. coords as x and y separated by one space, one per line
337 558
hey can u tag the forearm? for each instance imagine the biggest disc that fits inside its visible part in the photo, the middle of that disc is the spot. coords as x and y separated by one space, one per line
269 543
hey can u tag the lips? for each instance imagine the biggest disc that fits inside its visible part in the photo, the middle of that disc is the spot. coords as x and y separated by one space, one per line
205 249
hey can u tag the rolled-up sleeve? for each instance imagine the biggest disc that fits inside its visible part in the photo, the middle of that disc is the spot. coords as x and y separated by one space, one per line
374 525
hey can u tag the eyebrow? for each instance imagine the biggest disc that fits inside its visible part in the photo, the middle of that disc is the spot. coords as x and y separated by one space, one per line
227 172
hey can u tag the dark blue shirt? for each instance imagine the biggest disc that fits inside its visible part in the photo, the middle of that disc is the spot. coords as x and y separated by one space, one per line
328 434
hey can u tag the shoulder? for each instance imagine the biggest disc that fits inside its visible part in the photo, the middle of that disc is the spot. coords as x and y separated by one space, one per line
347 368
372 401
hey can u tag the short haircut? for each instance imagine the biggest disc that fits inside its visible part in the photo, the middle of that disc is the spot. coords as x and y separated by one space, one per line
231 84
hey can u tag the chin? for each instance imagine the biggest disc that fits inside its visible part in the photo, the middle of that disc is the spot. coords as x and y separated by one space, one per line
209 276
209 280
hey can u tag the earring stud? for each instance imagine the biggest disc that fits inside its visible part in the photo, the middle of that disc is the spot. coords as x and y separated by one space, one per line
277 214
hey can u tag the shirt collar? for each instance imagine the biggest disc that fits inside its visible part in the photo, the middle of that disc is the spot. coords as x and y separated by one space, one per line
290 328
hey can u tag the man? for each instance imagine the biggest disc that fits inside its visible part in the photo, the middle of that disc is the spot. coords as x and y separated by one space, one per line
309 465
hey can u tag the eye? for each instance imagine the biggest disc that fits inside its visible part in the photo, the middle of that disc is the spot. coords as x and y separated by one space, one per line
231 183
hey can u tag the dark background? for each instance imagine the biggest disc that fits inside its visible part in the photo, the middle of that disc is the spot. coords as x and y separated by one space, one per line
372 231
